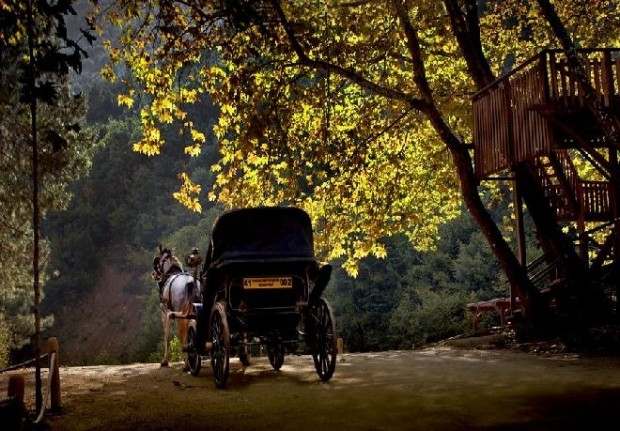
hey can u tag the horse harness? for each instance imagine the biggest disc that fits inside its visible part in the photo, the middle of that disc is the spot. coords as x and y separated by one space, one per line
172 272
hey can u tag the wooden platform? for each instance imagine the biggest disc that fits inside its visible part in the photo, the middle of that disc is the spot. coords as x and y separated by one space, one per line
508 125
535 126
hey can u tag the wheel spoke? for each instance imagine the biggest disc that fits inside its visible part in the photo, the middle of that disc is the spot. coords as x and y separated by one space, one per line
220 349
324 340
194 360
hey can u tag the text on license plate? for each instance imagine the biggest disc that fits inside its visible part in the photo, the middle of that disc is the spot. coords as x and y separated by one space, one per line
268 283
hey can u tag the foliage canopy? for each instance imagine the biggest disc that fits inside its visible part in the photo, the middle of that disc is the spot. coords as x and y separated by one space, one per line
346 109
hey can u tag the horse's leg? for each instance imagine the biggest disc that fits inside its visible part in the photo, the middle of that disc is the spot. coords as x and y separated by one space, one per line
183 325
166 322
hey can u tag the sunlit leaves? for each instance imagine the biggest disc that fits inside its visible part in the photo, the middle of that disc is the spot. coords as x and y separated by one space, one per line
363 162
363 167
151 141
126 100
187 194
523 32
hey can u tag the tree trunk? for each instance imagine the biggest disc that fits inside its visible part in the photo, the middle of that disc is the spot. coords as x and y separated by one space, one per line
468 34
533 308
35 209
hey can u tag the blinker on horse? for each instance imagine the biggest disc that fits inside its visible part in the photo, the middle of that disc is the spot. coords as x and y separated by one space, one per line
178 291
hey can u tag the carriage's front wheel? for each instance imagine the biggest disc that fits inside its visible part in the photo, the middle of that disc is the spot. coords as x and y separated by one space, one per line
194 361
244 355
220 347
324 348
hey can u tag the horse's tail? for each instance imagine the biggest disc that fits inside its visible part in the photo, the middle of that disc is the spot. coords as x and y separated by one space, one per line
192 290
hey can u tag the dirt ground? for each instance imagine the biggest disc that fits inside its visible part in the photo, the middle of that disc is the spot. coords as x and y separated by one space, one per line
439 388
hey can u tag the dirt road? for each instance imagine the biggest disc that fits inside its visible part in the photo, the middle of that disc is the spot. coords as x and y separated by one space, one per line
435 389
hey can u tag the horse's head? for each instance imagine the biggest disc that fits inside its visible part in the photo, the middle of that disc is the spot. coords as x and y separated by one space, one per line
165 263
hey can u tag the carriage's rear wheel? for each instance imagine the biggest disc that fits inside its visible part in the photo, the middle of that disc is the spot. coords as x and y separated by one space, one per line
324 348
220 348
275 353
194 361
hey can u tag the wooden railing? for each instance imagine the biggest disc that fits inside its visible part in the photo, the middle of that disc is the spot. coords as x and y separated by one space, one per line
559 182
592 198
596 199
602 69
543 270
507 130
568 195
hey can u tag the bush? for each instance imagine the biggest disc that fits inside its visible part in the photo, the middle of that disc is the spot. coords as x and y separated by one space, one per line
175 353
104 358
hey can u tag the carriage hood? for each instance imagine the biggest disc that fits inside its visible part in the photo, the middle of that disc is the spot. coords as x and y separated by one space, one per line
262 232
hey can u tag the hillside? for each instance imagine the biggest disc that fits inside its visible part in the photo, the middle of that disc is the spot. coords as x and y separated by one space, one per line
104 322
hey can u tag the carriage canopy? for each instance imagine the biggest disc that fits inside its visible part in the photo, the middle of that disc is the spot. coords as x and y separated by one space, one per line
263 232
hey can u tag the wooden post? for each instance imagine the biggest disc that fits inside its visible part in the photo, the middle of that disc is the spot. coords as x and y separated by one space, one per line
340 345
521 246
16 389
614 201
520 229
52 350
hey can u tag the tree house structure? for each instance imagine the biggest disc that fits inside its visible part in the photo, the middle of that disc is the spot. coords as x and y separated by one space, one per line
540 127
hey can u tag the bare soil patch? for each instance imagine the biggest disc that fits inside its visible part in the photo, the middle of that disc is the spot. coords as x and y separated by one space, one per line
440 388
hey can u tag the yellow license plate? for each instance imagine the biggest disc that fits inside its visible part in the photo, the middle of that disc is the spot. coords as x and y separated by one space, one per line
268 283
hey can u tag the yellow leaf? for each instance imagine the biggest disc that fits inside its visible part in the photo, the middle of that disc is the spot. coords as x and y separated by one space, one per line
193 150
197 136
124 99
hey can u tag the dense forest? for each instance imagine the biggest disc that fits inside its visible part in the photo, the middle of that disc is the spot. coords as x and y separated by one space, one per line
350 112
123 208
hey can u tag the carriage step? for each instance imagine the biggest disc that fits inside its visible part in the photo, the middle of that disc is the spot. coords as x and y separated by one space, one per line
172 316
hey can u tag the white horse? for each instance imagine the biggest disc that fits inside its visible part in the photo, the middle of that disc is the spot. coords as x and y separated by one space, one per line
178 290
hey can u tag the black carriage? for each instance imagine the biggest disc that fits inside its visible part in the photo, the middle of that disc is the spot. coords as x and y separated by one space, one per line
262 285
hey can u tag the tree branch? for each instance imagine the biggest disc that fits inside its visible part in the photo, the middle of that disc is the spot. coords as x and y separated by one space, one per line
415 51
466 30
351 75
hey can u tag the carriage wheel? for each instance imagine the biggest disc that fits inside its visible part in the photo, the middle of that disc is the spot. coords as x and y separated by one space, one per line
244 355
324 343
220 349
194 361
275 353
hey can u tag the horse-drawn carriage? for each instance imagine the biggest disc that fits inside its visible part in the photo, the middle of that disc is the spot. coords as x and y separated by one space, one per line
262 285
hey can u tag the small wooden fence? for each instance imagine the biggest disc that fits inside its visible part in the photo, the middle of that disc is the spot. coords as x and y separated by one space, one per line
13 413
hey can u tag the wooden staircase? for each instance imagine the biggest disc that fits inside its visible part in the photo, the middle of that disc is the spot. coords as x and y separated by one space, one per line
571 198
535 122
